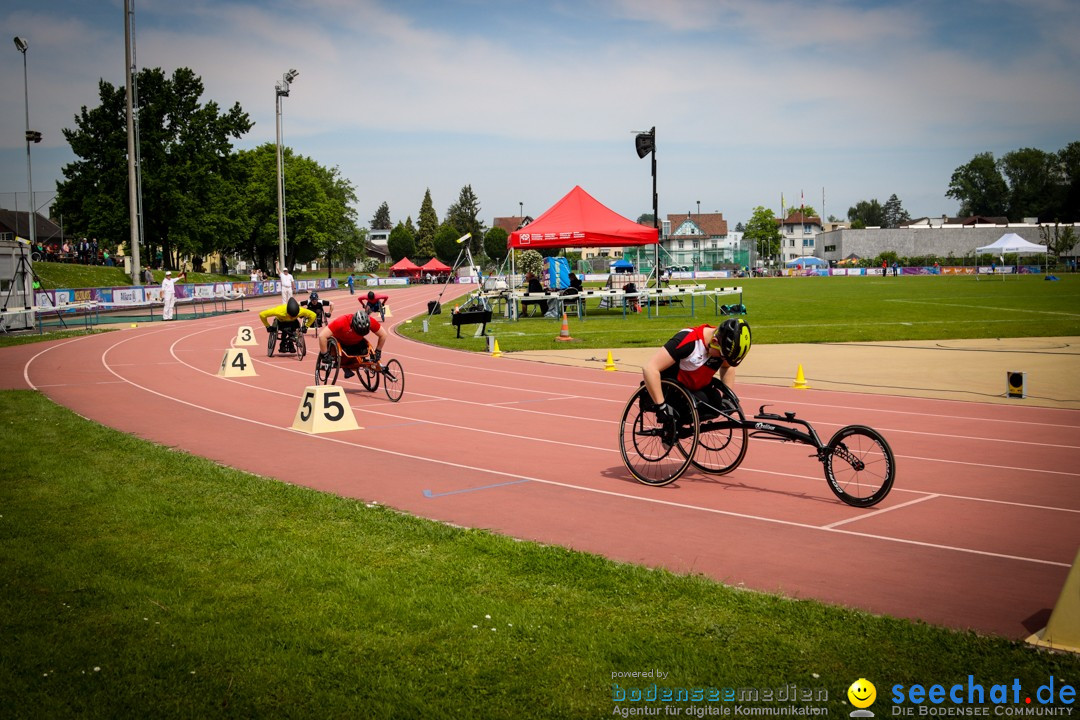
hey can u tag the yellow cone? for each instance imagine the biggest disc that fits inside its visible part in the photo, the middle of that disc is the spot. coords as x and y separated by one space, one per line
800 380
610 364
496 352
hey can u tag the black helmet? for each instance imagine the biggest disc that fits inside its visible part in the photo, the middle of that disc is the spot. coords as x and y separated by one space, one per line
292 308
732 339
371 295
360 322
313 297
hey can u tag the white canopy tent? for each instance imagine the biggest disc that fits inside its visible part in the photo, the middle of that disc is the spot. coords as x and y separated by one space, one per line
1012 243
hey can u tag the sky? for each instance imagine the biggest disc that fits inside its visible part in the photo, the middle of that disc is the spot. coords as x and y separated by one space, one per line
829 102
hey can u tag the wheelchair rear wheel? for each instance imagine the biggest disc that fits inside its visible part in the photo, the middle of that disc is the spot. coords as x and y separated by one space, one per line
657 453
300 343
271 342
368 377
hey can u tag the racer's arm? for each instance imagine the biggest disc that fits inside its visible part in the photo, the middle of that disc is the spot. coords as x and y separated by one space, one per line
307 316
324 338
659 362
382 335
328 308
271 314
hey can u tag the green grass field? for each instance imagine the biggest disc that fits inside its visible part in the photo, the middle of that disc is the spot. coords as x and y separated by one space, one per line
801 310
138 582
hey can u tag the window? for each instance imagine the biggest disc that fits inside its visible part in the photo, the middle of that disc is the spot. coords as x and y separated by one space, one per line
808 242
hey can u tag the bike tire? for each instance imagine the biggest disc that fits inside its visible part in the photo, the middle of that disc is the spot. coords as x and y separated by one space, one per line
654 454
393 380
301 345
859 466
326 370
271 343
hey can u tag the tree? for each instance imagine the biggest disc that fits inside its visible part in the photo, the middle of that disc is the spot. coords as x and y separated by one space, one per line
429 225
979 187
763 231
893 214
382 221
320 219
739 227
1069 162
495 241
186 163
807 211
645 219
868 213
1035 183
400 243
446 243
465 216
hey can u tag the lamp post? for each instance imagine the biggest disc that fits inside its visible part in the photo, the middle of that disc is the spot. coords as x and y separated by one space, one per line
645 144
31 136
281 90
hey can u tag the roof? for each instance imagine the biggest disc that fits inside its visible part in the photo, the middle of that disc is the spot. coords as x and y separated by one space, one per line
798 218
710 224
511 223
18 222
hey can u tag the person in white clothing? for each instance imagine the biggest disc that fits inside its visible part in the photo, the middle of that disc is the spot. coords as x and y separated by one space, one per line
168 293
286 285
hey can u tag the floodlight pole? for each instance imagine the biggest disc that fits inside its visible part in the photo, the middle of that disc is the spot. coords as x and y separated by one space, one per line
22 46
281 90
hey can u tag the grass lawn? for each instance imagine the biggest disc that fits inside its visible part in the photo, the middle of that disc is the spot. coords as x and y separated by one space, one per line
139 582
814 309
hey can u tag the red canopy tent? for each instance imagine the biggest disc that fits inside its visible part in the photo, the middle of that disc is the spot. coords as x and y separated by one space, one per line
579 220
435 267
405 267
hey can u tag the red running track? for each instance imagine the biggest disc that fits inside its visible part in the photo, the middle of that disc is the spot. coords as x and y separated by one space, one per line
979 531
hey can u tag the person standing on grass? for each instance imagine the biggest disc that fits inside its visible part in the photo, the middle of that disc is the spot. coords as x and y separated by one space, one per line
286 285
168 293
350 281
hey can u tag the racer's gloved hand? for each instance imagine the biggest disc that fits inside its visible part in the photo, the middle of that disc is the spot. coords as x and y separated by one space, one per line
378 355
269 328
666 414
303 330
324 357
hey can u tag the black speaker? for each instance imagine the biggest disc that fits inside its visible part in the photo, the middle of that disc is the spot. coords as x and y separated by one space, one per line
433 307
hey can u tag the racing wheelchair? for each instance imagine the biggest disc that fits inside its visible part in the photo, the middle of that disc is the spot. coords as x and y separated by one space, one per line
291 341
368 371
858 462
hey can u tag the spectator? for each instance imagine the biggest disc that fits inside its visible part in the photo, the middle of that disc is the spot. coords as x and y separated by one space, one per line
254 277
286 285
168 293
147 275
534 286
350 281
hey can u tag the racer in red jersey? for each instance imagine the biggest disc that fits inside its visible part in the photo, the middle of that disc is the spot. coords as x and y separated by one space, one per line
351 333
693 357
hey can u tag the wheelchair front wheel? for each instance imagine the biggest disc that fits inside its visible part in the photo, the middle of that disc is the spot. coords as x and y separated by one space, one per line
657 453
859 466
393 380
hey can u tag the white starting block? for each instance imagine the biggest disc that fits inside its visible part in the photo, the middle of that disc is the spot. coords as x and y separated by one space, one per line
237 363
324 408
245 336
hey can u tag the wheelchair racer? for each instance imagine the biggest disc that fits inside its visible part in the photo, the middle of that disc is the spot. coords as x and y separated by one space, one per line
323 309
285 316
692 358
351 332
375 304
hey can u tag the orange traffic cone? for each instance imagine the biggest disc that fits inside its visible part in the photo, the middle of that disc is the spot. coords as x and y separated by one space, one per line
800 380
564 333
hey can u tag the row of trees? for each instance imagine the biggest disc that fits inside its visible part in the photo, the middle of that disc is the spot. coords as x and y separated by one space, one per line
1022 183
198 194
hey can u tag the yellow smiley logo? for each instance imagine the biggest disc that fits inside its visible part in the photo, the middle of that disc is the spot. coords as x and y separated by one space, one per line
862 693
